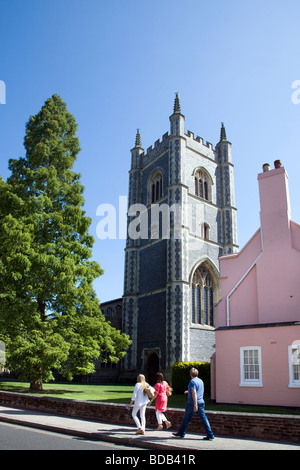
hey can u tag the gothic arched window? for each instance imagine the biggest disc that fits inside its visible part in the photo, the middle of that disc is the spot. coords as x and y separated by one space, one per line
202 185
202 297
156 187
118 310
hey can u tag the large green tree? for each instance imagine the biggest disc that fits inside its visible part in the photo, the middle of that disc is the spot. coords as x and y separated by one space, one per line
49 312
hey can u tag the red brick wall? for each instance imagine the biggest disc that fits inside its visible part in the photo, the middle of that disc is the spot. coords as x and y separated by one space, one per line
249 425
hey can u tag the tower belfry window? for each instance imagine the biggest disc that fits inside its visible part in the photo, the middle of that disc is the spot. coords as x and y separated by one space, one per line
156 187
202 185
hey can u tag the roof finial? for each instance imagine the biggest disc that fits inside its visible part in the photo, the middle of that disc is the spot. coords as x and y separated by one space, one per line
223 132
138 143
177 109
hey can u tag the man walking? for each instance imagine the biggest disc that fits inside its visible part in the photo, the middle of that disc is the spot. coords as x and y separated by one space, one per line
195 404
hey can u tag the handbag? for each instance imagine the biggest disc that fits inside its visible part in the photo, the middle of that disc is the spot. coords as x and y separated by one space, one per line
149 392
169 390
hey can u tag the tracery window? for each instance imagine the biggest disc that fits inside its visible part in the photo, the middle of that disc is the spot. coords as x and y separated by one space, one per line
156 187
202 298
202 185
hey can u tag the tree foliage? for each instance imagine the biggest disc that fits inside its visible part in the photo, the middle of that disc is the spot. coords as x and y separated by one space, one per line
49 311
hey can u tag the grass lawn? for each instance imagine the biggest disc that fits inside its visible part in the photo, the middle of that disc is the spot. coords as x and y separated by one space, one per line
122 394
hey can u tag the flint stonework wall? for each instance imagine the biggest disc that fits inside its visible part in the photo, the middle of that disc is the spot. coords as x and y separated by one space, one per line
247 425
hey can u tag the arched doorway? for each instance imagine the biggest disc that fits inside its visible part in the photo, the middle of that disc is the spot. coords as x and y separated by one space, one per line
152 367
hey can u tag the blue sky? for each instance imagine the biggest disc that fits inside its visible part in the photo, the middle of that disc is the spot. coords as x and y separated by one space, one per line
118 63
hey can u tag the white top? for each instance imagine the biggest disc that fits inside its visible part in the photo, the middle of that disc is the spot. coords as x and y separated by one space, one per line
138 395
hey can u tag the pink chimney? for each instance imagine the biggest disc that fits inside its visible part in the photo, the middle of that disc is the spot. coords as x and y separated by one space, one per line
275 211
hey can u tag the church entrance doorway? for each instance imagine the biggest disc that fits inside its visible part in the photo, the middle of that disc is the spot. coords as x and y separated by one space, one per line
152 367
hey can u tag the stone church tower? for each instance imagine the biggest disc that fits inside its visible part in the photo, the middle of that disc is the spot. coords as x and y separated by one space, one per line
181 218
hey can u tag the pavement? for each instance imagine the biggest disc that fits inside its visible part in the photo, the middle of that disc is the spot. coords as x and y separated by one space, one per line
125 435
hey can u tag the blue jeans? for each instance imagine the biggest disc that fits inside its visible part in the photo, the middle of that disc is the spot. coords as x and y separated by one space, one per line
189 412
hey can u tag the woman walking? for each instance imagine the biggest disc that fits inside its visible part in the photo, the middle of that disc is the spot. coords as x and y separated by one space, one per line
162 391
140 399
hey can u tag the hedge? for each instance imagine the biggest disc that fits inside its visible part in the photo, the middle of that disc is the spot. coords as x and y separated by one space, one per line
181 375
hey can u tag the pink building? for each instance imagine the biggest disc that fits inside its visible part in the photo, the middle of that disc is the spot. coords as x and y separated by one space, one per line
257 359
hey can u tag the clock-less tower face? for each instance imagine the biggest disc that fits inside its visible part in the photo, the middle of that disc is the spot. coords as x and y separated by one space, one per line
182 217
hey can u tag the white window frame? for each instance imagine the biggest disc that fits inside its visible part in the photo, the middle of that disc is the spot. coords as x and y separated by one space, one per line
250 382
294 355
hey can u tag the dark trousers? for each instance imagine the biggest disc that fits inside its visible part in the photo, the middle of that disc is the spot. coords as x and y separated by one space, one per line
189 412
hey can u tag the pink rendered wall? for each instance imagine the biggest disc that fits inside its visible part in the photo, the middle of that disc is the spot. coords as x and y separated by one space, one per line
274 344
259 286
295 234
278 273
232 269
244 301
278 280
270 292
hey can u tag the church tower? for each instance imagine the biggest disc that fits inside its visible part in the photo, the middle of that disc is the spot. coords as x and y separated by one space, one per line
181 218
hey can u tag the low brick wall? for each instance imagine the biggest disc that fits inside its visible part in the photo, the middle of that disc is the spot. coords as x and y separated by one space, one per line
248 425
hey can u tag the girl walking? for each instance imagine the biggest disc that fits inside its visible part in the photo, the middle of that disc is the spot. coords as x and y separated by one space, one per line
140 399
162 391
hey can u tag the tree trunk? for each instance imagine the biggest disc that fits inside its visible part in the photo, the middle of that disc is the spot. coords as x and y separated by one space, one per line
42 308
36 385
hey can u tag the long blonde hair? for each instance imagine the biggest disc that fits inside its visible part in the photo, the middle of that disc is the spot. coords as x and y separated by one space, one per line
142 379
